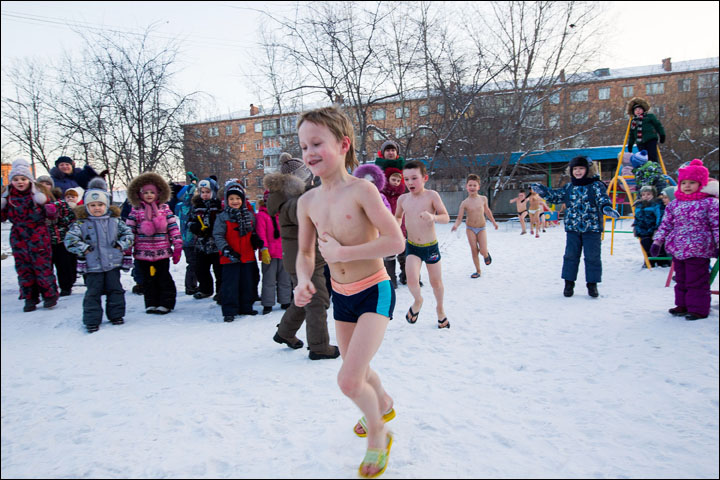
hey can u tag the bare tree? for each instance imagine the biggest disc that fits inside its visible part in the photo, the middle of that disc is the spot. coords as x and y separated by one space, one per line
26 119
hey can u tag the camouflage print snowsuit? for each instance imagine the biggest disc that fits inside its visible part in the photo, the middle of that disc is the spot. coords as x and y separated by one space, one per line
30 242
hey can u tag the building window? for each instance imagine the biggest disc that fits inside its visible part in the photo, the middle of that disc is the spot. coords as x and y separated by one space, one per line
706 114
710 131
604 93
228 130
213 131
378 136
259 182
628 91
683 110
684 85
214 150
423 110
578 118
260 163
659 110
554 98
198 132
241 128
657 88
578 142
441 108
258 145
402 112
604 116
424 131
579 96
242 146
258 127
400 132
378 114
553 121
244 182
684 135
708 80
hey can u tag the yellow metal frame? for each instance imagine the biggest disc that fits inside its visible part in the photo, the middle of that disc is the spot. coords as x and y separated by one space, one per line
612 191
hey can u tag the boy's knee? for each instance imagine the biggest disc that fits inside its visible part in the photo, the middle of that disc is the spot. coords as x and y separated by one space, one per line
349 384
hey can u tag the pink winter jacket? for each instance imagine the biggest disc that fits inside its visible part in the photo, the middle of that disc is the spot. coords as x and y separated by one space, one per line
158 246
690 228
265 230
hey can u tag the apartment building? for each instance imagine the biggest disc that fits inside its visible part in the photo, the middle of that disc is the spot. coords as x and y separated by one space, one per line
586 110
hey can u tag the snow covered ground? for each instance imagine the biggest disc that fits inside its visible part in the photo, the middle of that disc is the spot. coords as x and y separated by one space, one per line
525 384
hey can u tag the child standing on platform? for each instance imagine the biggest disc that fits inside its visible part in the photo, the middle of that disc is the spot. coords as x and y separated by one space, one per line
645 128
477 208
689 230
422 208
586 200
356 231
157 240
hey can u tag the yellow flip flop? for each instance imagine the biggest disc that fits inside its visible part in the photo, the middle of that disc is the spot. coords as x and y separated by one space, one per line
378 457
363 422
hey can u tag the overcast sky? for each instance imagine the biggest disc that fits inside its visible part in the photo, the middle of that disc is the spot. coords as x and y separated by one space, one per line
218 35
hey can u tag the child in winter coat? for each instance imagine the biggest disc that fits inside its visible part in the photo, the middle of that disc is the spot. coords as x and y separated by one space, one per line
25 204
101 237
182 210
586 200
157 239
200 223
65 262
233 229
394 187
689 230
647 173
648 215
645 128
275 279
73 196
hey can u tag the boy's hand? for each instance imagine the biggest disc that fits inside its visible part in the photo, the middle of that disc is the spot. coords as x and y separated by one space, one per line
610 212
303 293
496 225
329 248
454 227
427 216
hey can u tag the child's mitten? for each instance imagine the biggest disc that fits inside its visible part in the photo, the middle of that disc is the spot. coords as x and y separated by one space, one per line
655 249
265 256
610 212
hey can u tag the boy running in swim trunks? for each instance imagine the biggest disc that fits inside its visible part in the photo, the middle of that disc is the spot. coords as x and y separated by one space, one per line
535 208
477 208
355 232
422 208
521 204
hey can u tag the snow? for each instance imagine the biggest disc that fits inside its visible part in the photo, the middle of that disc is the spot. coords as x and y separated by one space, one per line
525 384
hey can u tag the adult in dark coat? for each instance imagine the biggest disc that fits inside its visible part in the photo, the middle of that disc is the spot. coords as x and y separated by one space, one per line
65 175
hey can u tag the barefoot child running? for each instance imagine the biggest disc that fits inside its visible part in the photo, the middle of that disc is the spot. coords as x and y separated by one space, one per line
521 204
535 208
477 208
355 231
422 208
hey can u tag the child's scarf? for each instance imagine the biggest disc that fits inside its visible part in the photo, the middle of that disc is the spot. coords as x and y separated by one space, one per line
689 197
637 125
151 210
242 217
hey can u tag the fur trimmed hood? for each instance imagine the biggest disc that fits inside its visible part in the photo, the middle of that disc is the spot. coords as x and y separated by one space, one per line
637 101
81 212
133 190
288 184
371 172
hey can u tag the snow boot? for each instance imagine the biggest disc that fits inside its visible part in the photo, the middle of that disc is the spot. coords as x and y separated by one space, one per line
334 353
592 289
569 288
678 311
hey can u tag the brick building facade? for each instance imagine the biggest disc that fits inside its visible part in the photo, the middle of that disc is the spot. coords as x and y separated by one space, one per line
588 109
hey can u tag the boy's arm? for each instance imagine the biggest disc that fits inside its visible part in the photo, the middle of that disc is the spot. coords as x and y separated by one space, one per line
389 241
73 240
441 213
513 200
399 210
489 214
460 215
305 261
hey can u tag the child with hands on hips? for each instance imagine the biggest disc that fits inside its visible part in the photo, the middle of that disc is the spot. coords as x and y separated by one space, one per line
477 208
157 240
356 231
689 230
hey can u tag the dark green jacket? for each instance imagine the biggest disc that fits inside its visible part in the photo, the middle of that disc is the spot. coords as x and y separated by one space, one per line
384 163
651 128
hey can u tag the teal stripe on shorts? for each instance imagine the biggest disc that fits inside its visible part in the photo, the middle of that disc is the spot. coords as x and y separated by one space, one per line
384 298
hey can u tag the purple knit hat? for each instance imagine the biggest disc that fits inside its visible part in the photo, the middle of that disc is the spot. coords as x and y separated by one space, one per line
695 171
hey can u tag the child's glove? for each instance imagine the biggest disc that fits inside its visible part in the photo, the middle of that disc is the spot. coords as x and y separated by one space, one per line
256 241
231 254
127 263
195 228
541 190
81 265
177 253
147 228
610 212
50 210
265 256
655 248
662 138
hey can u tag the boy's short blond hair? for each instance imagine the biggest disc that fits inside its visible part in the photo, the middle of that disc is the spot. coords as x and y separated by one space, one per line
339 124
